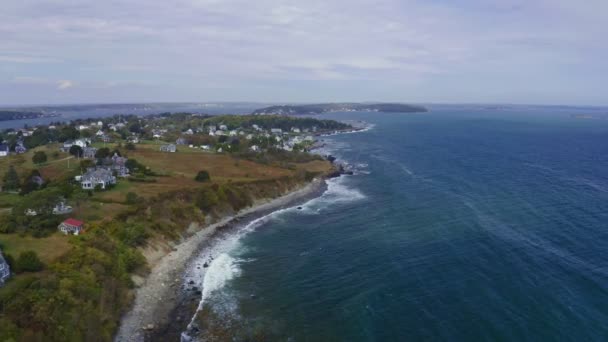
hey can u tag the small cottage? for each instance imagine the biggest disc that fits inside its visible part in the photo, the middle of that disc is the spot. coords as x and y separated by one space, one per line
71 226
4 149
89 152
168 148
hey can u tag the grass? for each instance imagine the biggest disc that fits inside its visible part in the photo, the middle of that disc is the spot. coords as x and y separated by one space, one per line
48 248
54 168
9 200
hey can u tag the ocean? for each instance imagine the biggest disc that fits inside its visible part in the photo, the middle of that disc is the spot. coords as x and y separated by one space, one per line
462 224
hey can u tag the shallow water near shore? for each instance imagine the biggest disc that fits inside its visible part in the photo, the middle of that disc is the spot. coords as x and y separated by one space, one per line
457 225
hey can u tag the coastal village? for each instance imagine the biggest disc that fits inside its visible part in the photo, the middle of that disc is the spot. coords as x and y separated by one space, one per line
138 181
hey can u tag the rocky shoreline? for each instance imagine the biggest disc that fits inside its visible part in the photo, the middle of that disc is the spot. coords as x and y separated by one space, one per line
165 302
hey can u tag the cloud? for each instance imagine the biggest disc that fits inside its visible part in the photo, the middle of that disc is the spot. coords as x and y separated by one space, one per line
64 84
395 49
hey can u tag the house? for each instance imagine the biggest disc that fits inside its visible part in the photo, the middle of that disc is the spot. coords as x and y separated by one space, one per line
276 130
223 127
82 127
181 141
4 149
233 133
20 148
189 131
106 138
99 133
5 271
97 176
212 128
89 152
61 209
249 136
256 127
219 132
119 164
255 148
168 148
133 139
84 142
295 129
205 147
67 145
71 226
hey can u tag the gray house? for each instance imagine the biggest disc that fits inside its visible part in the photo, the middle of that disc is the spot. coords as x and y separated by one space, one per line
168 148
97 176
5 271
89 152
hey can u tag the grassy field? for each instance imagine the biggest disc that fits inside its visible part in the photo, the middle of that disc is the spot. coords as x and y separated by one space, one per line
177 172
55 167
48 248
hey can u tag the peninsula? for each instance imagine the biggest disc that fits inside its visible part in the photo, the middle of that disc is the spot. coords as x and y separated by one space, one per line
313 109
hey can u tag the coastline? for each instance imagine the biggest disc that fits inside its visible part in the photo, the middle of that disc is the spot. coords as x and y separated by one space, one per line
162 306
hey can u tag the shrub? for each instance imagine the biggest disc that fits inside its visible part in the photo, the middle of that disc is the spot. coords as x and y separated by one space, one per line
202 176
39 157
28 261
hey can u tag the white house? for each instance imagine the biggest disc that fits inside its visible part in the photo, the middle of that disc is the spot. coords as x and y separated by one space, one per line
255 148
97 177
295 129
4 149
99 133
168 148
276 130
223 127
233 133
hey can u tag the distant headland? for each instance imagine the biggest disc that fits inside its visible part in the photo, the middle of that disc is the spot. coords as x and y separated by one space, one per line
307 109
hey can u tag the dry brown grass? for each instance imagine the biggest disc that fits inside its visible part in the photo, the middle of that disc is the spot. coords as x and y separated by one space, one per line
48 248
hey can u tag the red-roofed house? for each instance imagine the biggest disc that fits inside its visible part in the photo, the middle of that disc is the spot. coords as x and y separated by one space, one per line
71 226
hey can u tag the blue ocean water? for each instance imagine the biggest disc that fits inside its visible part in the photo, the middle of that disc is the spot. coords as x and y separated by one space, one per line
461 225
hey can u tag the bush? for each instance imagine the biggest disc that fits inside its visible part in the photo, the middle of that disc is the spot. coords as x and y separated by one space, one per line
130 146
39 157
29 262
202 176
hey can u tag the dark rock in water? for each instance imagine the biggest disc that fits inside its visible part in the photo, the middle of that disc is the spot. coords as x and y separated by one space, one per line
191 282
331 158
205 265
350 173
334 174
194 288
198 292
299 208
252 296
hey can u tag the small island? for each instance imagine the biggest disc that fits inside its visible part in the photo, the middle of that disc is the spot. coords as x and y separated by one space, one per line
313 109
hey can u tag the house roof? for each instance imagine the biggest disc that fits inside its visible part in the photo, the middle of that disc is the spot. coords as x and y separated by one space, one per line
73 222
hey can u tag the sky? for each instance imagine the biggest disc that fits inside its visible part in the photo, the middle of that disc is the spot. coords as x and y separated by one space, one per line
416 51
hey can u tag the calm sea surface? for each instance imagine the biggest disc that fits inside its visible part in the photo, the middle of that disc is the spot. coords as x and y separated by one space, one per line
459 225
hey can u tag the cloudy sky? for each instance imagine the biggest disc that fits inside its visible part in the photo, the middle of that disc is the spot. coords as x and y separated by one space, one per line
505 51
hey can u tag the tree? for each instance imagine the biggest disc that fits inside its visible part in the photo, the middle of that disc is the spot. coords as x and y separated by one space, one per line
76 151
202 176
102 153
39 157
28 261
130 146
11 179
